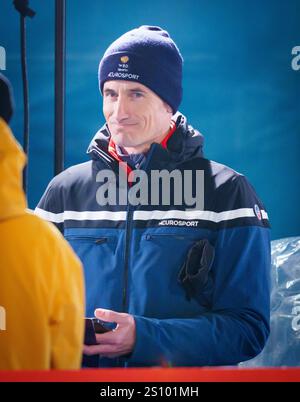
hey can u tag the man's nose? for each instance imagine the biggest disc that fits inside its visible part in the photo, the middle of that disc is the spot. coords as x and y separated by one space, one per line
121 111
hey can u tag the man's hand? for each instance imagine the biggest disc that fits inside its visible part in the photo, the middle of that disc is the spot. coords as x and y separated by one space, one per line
120 341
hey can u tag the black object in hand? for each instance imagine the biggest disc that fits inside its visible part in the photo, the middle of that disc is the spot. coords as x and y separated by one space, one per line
93 326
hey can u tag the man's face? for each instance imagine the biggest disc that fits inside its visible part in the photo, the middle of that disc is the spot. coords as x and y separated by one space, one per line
135 115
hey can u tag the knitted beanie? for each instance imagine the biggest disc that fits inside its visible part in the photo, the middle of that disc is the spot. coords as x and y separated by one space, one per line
149 56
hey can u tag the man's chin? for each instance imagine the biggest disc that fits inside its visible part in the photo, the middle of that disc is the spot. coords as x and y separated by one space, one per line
119 140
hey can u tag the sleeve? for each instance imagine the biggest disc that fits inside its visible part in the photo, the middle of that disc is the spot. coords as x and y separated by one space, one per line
50 207
236 326
66 309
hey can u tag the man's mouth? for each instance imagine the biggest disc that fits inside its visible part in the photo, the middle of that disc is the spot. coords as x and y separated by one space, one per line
125 124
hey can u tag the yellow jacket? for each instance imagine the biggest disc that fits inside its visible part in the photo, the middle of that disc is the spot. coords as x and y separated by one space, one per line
41 282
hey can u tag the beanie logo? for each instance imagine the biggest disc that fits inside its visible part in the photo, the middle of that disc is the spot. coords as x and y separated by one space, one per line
125 76
122 71
124 59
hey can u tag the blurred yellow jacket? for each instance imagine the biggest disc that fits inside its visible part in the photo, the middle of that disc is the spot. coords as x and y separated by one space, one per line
41 280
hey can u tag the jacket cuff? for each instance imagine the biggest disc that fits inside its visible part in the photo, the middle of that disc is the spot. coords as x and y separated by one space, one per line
146 350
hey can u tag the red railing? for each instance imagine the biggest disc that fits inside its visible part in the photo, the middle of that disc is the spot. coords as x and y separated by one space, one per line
157 374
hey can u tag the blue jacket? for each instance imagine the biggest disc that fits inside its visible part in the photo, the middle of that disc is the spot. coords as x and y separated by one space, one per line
135 257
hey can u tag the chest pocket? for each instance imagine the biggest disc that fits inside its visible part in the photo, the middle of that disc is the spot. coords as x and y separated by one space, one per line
168 249
94 245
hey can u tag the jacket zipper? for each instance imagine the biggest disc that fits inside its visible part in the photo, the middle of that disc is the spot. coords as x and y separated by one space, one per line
129 220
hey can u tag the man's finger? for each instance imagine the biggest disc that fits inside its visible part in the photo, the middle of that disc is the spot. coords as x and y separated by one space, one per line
90 350
110 315
107 338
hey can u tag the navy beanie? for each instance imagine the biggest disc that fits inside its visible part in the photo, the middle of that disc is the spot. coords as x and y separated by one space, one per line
149 56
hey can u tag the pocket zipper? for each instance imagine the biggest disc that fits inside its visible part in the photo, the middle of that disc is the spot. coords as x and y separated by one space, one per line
99 240
153 236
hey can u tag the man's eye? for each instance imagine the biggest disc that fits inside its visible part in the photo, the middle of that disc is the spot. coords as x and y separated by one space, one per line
137 95
110 94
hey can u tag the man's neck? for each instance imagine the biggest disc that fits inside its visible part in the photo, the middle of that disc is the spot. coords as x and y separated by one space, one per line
144 148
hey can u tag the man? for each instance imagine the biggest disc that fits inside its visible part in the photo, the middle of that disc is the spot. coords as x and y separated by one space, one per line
185 278
41 281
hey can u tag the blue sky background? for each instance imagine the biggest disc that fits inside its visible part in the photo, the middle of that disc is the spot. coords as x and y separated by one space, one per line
239 88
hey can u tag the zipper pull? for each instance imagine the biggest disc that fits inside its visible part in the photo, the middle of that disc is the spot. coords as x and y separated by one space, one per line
101 241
